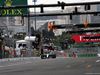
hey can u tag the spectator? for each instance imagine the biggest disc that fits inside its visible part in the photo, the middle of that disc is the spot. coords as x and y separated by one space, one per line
21 48
74 54
6 48
10 52
24 50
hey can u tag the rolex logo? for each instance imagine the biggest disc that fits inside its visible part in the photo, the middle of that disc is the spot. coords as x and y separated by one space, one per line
8 2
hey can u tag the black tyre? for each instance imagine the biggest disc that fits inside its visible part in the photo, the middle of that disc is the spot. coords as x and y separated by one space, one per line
54 56
42 57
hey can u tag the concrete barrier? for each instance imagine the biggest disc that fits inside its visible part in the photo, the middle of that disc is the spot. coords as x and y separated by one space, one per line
17 59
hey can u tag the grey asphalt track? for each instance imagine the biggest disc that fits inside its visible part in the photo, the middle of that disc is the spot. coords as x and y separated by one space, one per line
58 66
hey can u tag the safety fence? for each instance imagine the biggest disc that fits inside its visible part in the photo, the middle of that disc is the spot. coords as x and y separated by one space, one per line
80 52
72 52
86 51
87 55
11 53
77 55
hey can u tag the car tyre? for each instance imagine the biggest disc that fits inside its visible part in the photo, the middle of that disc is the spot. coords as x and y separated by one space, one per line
42 57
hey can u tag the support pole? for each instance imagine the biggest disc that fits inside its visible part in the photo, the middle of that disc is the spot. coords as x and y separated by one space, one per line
35 16
29 33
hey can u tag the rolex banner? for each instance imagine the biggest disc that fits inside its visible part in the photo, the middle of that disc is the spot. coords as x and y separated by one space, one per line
15 11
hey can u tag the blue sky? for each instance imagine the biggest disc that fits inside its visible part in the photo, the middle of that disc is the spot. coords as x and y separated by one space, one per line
30 2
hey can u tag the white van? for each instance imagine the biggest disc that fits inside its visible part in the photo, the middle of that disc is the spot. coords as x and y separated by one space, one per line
23 42
18 43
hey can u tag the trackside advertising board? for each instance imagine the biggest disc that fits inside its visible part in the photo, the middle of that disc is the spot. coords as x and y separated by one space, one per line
13 12
79 38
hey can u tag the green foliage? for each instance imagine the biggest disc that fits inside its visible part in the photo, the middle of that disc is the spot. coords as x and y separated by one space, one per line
60 38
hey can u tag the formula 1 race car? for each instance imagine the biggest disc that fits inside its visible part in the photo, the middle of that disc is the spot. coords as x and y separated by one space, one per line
48 55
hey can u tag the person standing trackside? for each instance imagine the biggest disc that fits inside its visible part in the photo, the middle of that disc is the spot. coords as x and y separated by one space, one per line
10 52
24 50
6 51
74 54
21 47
